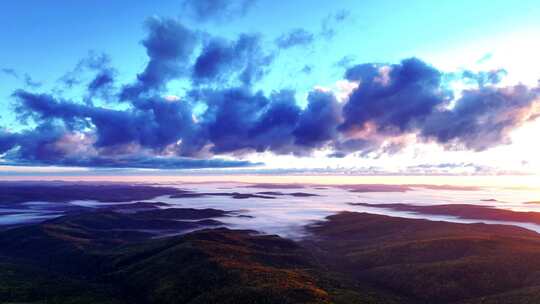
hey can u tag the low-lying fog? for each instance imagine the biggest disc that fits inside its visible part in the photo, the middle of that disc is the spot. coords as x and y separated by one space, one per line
289 209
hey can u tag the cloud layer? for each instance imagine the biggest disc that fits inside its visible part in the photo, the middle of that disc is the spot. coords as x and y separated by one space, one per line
224 115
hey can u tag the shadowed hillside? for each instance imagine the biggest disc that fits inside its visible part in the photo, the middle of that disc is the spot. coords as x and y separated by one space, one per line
433 262
20 192
72 260
464 211
113 256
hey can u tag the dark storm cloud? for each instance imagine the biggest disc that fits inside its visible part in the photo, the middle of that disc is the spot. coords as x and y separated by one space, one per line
222 60
362 145
39 146
410 98
169 46
275 127
238 120
44 107
391 101
151 124
225 113
395 97
318 122
154 124
483 118
296 37
55 144
217 10
140 162
7 141
101 80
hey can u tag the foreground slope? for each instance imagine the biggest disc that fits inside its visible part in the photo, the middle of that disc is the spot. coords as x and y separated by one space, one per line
354 258
67 260
433 262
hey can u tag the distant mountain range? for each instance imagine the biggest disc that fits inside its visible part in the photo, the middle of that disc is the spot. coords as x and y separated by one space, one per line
132 253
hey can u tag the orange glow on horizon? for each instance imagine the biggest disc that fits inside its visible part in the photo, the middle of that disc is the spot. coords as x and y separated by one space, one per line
529 182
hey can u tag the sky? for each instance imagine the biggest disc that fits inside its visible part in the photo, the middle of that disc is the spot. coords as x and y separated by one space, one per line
260 86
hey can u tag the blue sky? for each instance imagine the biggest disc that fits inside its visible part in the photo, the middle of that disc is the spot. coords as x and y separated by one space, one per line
42 42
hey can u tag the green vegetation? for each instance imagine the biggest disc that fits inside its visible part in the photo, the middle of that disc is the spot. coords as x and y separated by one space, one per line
353 258
20 192
64 261
429 262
